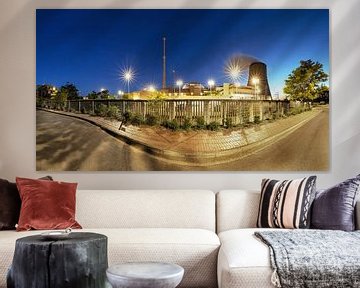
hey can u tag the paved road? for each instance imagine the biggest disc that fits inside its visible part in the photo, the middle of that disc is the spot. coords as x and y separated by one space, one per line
67 144
306 149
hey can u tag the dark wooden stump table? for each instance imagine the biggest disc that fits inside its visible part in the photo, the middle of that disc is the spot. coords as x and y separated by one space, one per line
79 261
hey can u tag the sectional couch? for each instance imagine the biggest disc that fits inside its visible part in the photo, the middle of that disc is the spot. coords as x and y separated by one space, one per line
210 235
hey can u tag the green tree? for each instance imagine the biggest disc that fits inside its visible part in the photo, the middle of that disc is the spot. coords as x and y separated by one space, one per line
304 82
45 91
60 98
92 95
323 94
104 94
71 91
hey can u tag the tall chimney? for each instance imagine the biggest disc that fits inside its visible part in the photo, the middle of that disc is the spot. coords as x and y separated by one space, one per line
164 64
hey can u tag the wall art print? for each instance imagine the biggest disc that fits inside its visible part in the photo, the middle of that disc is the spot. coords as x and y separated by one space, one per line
182 89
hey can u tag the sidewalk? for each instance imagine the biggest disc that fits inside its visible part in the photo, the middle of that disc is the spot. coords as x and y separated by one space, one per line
198 147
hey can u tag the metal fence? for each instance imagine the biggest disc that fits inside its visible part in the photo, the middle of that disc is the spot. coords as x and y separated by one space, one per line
222 111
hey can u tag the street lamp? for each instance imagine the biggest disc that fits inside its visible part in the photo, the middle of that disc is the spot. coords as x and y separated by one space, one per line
120 93
127 75
211 83
179 83
151 88
255 81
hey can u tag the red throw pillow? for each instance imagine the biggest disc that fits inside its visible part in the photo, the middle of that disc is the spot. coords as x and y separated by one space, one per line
46 204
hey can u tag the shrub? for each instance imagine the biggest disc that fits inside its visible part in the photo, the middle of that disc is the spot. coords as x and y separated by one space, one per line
102 110
113 112
213 126
187 124
171 124
257 119
229 122
137 119
200 122
152 120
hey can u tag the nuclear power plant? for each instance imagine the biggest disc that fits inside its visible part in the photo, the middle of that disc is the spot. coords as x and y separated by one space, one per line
257 87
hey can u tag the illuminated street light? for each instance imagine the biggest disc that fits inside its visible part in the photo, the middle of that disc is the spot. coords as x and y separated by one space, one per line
211 83
102 89
179 83
235 73
151 88
234 70
255 81
127 75
120 93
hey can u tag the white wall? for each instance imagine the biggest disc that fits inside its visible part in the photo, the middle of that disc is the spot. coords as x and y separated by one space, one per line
17 99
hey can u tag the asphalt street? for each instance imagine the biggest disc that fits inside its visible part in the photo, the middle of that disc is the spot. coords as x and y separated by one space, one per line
67 144
306 149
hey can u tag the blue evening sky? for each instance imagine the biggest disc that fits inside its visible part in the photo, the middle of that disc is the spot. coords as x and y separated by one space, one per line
90 47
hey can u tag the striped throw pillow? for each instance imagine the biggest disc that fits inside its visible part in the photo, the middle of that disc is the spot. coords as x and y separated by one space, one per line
286 204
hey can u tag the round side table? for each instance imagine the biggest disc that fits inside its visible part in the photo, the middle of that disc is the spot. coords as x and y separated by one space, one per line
78 261
145 275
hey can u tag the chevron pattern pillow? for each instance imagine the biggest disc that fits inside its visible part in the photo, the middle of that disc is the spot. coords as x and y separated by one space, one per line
286 204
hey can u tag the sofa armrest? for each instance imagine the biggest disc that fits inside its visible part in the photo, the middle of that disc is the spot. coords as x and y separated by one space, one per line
357 215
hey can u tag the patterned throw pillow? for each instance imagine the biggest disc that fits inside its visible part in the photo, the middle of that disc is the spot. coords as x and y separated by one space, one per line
286 204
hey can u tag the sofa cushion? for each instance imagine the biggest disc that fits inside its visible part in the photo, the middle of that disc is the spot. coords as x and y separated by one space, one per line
46 204
334 208
153 209
10 204
286 204
194 249
244 261
236 209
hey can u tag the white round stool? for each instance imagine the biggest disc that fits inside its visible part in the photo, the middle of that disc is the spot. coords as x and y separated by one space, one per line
145 275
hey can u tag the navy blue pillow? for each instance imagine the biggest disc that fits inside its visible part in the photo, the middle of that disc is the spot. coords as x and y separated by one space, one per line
334 208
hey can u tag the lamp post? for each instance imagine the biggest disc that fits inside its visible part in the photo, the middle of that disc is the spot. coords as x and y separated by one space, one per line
128 77
174 79
237 85
211 83
179 83
255 81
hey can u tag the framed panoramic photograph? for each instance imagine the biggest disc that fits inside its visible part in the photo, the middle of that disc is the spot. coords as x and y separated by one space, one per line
182 89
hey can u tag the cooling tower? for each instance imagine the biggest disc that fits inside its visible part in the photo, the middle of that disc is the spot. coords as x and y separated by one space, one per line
257 70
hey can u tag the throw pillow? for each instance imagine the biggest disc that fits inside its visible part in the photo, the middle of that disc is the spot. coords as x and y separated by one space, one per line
334 208
10 204
46 204
286 204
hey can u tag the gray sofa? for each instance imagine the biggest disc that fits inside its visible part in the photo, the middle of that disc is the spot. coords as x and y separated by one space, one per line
210 235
